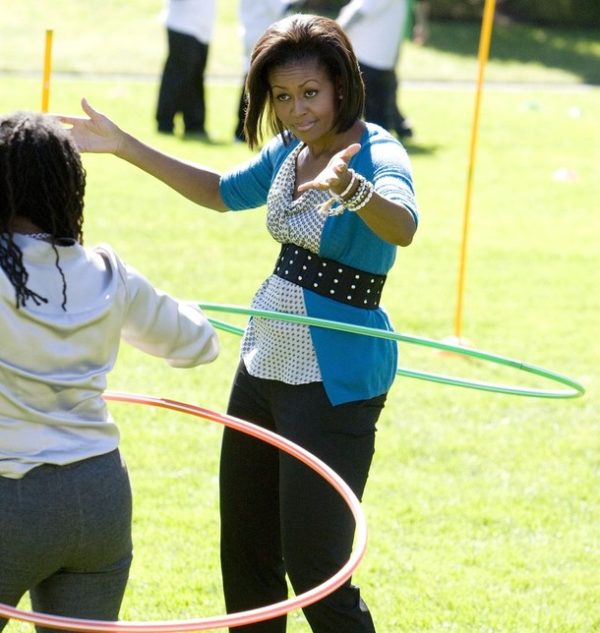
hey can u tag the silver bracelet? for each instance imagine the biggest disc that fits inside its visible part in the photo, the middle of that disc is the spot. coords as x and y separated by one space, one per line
360 191
370 190
335 205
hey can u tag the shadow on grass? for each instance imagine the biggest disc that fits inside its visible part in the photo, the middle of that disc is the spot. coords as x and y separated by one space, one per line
414 148
574 50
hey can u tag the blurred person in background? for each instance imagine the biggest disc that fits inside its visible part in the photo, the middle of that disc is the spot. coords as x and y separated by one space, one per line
255 17
190 26
377 29
328 8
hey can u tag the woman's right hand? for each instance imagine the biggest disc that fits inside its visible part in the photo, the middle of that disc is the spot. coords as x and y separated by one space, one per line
94 133
97 133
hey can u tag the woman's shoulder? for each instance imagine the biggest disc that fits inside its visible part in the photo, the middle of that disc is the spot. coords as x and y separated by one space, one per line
374 133
280 146
272 153
378 146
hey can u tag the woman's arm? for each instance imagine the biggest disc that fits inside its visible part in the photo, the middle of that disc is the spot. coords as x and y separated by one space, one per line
389 220
97 133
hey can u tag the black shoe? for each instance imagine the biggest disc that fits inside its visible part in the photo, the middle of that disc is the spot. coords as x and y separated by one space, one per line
404 130
201 137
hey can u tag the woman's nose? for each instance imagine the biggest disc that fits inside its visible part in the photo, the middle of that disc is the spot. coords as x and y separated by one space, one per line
299 106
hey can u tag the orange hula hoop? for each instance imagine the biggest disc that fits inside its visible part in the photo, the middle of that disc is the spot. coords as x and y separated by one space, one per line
242 617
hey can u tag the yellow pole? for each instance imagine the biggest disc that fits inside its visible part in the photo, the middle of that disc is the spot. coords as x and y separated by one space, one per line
484 50
47 71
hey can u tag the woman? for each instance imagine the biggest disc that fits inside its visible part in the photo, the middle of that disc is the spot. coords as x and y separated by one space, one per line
339 199
65 499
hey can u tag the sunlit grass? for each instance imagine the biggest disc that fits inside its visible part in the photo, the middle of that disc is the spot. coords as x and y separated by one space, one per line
482 508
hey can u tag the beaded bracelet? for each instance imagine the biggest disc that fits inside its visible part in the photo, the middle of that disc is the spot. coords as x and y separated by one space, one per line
362 196
336 205
359 193
370 190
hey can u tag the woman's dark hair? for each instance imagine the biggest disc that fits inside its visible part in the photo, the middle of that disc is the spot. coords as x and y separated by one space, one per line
302 38
42 180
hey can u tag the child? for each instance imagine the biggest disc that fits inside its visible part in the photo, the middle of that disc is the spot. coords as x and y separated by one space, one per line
65 499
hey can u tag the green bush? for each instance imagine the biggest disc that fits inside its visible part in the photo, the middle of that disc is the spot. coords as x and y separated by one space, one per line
456 9
559 12
555 12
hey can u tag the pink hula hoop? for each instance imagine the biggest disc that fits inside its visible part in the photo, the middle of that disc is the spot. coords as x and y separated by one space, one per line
242 617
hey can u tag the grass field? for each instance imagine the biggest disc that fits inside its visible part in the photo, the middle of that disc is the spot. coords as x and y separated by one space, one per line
483 509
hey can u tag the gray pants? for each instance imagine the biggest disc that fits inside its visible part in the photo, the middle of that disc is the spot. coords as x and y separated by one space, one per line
65 536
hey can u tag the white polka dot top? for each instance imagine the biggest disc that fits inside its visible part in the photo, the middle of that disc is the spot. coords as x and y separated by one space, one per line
272 349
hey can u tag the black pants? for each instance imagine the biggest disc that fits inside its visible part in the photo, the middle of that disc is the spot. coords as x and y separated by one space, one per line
241 113
380 105
278 516
182 84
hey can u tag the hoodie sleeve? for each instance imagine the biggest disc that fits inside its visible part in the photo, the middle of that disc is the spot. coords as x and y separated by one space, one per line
159 324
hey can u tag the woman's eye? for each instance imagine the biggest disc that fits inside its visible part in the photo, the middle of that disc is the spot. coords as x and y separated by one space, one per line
311 93
282 97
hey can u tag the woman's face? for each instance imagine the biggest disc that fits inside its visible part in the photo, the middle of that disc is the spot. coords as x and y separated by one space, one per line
304 99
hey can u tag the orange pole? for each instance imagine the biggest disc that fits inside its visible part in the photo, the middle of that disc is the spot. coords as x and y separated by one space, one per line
484 50
47 71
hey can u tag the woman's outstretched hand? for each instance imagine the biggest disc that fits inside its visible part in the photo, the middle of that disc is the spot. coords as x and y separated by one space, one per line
94 133
335 176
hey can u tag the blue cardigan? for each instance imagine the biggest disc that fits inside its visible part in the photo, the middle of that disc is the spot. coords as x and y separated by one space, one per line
353 367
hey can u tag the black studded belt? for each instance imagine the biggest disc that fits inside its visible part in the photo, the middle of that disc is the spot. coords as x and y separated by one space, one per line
329 278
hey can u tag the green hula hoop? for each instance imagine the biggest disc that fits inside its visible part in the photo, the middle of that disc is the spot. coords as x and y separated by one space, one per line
575 389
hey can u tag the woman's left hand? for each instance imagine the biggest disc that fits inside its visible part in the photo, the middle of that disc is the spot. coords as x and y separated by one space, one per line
335 177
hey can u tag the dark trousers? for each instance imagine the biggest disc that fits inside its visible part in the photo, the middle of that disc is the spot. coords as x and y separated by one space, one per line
279 516
241 113
380 105
65 536
182 84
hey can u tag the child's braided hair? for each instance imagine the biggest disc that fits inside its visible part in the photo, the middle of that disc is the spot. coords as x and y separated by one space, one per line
42 180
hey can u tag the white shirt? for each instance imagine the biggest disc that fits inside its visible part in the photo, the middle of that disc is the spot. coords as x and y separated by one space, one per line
255 17
376 29
53 364
192 17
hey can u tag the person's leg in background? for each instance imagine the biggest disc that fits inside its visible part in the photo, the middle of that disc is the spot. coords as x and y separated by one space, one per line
173 80
241 114
193 105
400 124
377 96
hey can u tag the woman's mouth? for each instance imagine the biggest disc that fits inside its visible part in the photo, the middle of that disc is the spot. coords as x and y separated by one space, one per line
304 126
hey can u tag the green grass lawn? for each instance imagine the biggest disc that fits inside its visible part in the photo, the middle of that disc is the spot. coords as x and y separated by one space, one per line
483 509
